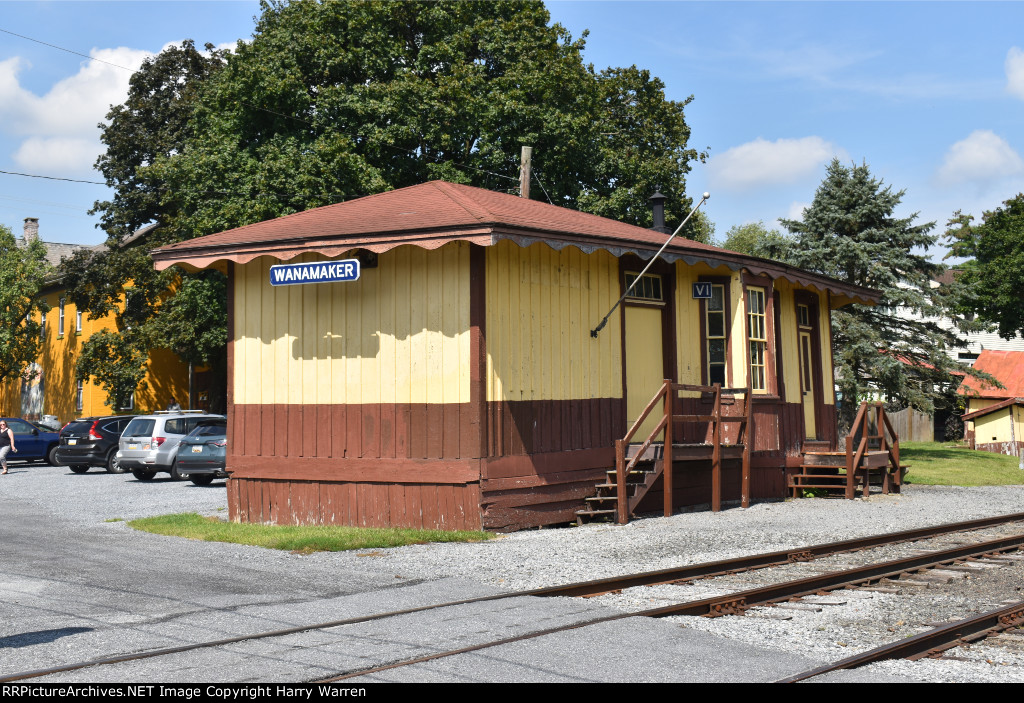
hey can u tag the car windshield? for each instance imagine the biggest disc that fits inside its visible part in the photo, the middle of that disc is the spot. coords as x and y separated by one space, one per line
216 429
139 427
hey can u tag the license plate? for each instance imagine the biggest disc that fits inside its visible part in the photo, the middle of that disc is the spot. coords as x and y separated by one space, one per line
133 446
197 450
72 441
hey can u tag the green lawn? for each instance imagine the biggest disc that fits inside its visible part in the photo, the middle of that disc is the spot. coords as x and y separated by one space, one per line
946 464
321 538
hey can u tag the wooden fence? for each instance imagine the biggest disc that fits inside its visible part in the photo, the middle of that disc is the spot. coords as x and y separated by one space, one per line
912 426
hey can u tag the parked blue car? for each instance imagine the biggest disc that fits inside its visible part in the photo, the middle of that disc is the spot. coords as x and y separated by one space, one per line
202 453
32 442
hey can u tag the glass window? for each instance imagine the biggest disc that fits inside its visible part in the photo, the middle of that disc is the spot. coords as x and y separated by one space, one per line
715 326
139 428
756 337
60 321
20 427
79 387
803 315
648 287
78 321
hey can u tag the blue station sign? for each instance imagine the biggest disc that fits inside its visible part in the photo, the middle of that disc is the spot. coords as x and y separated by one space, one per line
315 272
702 291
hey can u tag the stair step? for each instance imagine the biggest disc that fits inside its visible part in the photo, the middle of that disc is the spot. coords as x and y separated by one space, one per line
595 513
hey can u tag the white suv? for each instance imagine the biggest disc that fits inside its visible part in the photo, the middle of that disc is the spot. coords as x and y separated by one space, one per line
149 444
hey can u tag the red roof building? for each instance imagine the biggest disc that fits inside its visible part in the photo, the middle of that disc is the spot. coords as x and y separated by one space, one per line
994 420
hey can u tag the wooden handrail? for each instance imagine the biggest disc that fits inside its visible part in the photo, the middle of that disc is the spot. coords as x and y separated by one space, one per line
667 393
889 442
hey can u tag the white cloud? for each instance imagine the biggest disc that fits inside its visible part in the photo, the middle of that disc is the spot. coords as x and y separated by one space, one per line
57 154
58 126
762 163
982 158
1015 72
796 211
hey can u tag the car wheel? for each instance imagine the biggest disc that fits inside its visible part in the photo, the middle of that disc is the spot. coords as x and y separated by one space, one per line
113 463
202 479
79 468
174 472
143 474
51 457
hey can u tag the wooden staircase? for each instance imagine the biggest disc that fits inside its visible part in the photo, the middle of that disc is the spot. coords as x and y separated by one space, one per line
875 461
638 465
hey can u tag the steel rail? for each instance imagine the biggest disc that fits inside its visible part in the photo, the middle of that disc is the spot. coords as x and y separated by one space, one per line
858 576
738 602
579 589
927 643
760 561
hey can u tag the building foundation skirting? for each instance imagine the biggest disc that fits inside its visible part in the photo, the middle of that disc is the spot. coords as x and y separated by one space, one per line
355 504
1010 448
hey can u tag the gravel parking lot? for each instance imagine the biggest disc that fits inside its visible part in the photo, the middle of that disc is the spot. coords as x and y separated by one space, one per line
86 512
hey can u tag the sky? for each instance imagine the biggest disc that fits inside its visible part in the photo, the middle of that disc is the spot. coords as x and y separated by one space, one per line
929 94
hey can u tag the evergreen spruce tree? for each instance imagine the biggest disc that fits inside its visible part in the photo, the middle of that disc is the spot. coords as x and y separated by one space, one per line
897 348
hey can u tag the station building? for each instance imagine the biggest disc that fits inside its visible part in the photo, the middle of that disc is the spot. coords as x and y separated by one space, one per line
459 383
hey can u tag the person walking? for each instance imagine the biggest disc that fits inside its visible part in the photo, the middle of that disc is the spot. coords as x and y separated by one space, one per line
6 444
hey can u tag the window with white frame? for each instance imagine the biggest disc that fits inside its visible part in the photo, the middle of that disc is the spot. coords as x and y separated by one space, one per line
79 392
78 321
716 332
60 318
757 337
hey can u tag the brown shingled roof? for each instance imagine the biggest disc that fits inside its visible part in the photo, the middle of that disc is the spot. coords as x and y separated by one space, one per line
431 214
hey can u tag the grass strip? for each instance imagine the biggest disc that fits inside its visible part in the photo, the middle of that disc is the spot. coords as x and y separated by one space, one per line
302 540
944 464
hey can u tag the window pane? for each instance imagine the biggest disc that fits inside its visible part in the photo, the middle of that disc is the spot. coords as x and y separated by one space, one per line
716 374
717 301
716 324
716 351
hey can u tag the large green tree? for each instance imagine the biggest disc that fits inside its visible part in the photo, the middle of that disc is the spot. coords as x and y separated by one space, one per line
23 270
851 232
332 101
119 279
991 281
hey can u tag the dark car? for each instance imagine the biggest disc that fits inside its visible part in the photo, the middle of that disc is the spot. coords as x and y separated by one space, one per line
32 443
92 441
202 452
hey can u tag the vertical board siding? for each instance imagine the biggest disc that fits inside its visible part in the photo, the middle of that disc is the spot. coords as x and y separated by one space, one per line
356 343
374 368
421 506
550 385
541 306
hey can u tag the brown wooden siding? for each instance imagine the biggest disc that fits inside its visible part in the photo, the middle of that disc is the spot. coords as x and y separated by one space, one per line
421 506
376 430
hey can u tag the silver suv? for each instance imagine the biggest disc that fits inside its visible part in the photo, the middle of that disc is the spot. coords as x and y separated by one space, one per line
149 444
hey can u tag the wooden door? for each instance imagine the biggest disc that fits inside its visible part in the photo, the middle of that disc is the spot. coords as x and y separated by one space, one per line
645 365
807 384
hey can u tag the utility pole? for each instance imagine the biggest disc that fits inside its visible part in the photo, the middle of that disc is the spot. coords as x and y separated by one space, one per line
524 172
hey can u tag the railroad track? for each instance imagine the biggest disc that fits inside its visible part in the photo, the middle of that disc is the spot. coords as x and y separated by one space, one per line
731 603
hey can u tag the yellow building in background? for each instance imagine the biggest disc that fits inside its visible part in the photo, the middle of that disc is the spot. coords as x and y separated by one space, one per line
54 391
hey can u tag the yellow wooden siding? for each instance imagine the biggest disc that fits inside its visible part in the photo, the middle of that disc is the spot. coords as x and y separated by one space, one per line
996 427
688 337
400 334
825 348
541 306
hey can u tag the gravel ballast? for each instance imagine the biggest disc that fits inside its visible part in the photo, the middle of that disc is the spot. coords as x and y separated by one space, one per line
537 558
